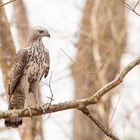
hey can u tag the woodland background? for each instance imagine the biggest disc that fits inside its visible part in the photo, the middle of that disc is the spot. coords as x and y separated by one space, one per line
91 41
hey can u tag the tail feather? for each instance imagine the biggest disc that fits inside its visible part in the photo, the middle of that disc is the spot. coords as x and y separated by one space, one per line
16 101
13 122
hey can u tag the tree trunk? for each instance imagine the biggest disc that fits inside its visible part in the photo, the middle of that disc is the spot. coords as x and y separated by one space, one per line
32 127
20 19
7 47
100 46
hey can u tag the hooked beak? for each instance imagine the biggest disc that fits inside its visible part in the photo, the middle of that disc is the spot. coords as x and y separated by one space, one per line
48 34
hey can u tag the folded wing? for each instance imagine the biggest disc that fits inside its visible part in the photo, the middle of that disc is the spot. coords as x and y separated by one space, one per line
17 70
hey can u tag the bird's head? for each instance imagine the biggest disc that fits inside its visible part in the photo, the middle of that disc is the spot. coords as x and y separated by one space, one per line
37 33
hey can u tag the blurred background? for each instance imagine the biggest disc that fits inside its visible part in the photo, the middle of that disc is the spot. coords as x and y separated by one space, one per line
91 41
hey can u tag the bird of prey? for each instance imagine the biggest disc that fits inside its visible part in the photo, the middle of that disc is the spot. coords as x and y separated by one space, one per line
31 63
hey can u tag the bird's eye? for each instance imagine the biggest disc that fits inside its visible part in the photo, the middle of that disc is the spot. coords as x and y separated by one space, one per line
40 31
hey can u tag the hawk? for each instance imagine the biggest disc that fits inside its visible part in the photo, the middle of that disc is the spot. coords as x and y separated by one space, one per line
31 63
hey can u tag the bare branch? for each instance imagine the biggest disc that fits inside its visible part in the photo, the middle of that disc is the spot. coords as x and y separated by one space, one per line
82 69
51 98
73 104
117 80
7 3
133 9
98 124
77 104
50 88
114 111
136 5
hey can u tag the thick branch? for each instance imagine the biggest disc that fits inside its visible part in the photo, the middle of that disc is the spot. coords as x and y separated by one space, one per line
98 124
73 104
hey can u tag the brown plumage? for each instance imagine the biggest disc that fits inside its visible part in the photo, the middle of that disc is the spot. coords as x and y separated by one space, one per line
31 63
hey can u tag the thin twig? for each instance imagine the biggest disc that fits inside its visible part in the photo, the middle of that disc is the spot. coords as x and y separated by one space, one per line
51 98
7 3
114 111
133 9
82 68
50 88
136 5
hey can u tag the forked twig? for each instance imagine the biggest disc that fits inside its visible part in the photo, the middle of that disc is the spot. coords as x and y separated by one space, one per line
133 9
82 68
51 98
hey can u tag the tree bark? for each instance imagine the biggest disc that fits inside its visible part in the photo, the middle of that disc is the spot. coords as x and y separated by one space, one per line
20 19
100 46
7 47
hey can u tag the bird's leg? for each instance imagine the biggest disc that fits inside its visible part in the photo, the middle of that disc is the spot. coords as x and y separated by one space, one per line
29 109
24 88
38 102
28 104
35 91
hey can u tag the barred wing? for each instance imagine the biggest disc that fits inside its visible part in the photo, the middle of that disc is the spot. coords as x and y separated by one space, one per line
17 70
47 63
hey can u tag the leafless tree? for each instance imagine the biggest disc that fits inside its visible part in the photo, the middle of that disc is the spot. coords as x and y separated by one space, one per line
101 42
100 46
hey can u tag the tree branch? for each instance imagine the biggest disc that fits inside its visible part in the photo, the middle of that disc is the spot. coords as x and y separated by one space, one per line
72 104
98 124
7 3
133 9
